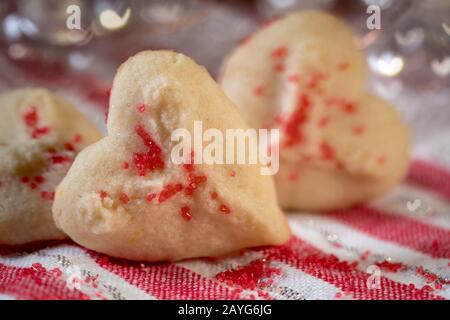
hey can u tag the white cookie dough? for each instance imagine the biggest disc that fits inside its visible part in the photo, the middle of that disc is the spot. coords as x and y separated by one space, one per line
339 145
124 196
40 134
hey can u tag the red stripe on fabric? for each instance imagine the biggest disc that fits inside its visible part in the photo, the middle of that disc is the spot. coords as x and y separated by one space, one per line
401 230
164 280
343 274
35 283
430 176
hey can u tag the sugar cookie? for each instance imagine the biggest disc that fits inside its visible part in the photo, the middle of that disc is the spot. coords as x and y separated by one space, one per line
124 196
40 134
339 145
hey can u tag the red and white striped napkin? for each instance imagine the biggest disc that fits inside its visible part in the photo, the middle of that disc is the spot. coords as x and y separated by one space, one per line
397 248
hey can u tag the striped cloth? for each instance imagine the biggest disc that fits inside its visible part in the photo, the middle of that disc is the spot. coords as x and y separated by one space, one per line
396 248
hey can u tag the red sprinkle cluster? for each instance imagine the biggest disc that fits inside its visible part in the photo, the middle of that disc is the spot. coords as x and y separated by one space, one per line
168 191
103 194
390 266
279 52
225 209
141 107
31 120
150 160
124 198
327 151
257 274
292 127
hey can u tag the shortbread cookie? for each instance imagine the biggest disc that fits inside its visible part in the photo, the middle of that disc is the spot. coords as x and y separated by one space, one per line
304 75
124 196
40 134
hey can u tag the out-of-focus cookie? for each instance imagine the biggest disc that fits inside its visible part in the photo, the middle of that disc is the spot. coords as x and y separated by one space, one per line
125 197
339 145
40 134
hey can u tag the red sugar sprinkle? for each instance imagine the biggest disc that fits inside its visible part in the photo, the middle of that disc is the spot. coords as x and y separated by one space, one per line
186 213
428 276
30 116
59 159
39 179
151 196
48 195
190 189
343 65
224 209
279 52
258 91
68 146
233 173
214 195
150 160
390 266
346 105
293 176
146 138
78 138
103 194
257 274
168 191
198 179
188 167
358 130
141 107
33 185
349 107
38 132
194 183
327 151
124 198
31 119
25 179
279 67
125 165
298 118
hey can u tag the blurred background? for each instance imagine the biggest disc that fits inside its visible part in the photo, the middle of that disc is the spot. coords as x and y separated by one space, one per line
409 56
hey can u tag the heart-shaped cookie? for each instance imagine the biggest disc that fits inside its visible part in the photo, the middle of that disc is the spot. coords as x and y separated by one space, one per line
124 196
339 144
40 134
